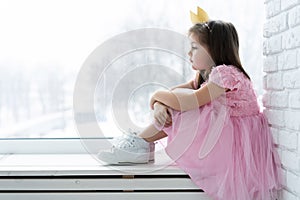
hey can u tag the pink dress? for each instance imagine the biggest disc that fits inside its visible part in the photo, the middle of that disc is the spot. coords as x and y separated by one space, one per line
226 146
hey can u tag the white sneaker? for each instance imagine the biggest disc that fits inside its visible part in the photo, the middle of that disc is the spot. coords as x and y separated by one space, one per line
129 149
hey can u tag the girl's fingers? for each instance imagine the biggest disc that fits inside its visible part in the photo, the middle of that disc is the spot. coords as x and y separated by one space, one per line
159 121
169 118
162 117
168 124
156 117
162 120
165 116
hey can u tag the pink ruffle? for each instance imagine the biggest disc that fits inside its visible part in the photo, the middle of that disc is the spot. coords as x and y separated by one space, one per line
227 76
243 165
241 99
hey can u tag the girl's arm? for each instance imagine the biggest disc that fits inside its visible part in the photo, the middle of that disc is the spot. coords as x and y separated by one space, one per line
188 85
183 101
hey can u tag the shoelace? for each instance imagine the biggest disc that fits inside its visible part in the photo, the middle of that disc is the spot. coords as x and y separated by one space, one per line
125 141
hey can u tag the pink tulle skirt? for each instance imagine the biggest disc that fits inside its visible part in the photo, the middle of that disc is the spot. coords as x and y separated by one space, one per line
242 163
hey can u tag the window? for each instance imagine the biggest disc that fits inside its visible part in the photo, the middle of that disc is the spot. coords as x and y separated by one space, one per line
44 45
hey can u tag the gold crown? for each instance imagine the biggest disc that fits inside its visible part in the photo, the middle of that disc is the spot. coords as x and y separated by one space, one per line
201 16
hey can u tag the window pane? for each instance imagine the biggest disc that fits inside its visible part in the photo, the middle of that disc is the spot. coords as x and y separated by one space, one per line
45 43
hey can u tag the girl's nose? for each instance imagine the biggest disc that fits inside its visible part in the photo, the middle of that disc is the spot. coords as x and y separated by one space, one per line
190 53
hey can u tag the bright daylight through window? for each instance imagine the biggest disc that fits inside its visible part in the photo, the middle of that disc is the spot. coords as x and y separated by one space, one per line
45 43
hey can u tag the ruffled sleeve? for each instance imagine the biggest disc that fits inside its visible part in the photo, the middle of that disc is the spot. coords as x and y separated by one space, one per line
226 76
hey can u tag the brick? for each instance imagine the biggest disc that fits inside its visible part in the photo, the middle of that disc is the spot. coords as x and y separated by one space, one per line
294 99
292 119
282 84
286 195
291 38
272 8
298 57
266 99
298 145
290 160
270 64
273 45
287 60
293 182
291 79
274 81
275 25
275 117
265 48
294 17
279 150
279 99
275 134
285 4
265 82
288 139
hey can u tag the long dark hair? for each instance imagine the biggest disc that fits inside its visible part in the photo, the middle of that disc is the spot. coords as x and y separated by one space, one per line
222 41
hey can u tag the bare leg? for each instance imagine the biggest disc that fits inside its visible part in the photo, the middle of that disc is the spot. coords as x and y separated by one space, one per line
151 134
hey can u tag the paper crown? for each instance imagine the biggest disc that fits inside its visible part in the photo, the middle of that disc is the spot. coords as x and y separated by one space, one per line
200 17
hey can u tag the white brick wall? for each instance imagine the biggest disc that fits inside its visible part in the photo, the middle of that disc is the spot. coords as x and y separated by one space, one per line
282 86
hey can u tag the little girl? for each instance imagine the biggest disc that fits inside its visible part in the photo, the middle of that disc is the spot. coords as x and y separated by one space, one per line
216 132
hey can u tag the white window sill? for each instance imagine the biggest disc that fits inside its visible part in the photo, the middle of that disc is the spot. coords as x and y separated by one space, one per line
78 164
81 176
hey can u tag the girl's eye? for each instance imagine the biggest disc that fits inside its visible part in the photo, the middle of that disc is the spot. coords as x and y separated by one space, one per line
194 47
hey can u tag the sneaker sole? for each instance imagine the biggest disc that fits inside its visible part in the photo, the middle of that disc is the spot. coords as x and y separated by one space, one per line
107 159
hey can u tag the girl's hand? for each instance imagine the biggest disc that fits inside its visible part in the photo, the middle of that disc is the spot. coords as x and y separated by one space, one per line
152 102
162 115
196 81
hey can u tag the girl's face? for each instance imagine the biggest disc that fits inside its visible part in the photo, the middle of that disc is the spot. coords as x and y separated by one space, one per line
199 55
